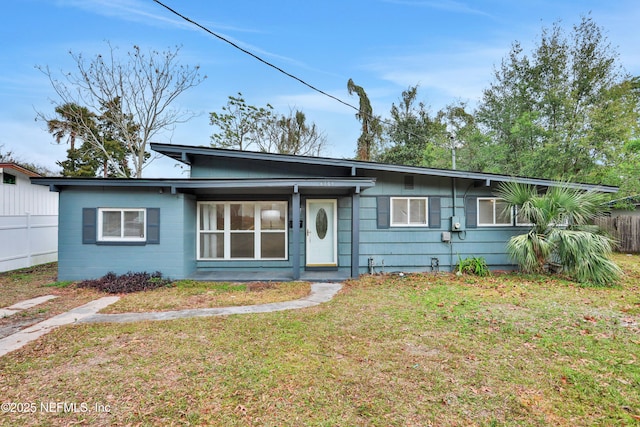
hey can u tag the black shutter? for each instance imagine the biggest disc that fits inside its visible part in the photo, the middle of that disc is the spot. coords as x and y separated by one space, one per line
434 212
471 212
384 211
153 225
89 216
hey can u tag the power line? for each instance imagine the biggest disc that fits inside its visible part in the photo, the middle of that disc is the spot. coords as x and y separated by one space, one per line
218 36
202 27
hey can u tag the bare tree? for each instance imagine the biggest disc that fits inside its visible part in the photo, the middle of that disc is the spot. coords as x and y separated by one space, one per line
292 135
144 86
246 127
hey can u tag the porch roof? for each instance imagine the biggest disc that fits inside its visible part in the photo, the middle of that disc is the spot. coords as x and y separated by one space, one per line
331 185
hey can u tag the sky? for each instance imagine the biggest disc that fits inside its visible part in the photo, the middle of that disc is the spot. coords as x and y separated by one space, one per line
448 48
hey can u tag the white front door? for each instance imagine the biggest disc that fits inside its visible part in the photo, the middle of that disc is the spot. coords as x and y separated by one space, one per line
322 233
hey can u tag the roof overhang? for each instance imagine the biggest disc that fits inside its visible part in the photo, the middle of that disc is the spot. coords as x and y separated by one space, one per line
17 168
219 186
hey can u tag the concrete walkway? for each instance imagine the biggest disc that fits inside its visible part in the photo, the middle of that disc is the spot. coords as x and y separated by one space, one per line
19 339
320 292
88 313
23 305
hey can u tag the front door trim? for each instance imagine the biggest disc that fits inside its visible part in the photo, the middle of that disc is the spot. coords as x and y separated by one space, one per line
314 259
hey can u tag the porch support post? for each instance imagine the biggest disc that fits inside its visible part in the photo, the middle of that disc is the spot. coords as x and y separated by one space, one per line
355 233
295 235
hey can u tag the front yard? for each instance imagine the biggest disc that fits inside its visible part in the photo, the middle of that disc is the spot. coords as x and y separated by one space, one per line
412 350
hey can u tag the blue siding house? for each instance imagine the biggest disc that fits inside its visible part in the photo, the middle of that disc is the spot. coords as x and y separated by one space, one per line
260 216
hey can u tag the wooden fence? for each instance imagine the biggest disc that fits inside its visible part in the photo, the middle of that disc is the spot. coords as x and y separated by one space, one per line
626 229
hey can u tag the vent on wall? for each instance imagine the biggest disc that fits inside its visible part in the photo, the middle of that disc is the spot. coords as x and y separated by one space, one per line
408 182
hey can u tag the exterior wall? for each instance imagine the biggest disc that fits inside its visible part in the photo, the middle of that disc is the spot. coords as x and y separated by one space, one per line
237 168
406 249
413 249
28 223
174 255
23 197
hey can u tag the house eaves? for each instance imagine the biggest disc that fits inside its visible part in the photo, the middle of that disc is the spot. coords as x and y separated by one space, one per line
17 168
186 154
194 184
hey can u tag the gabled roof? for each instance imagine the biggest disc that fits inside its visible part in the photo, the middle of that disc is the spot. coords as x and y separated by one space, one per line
17 168
186 154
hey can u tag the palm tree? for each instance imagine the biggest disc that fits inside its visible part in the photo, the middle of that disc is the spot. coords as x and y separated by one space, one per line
73 123
560 232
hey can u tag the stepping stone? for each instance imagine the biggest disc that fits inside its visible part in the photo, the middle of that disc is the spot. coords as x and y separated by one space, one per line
19 339
23 305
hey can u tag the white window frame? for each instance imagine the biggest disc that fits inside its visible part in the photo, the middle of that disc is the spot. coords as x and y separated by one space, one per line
564 223
122 238
256 231
409 223
518 223
494 213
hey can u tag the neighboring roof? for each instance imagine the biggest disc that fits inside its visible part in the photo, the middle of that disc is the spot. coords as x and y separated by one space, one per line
17 168
633 200
186 153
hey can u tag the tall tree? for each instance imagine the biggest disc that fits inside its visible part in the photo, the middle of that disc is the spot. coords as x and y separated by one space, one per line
71 123
408 132
146 84
414 136
564 111
75 123
371 127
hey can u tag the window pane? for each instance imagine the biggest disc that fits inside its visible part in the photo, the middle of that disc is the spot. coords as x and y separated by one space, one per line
242 216
242 245
211 217
134 224
272 245
400 214
212 245
111 224
485 211
418 211
272 216
503 212
521 219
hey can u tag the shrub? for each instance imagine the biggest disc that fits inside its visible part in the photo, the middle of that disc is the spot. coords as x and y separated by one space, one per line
474 265
126 283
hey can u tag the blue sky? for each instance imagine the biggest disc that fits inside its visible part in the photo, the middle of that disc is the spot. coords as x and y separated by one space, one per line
449 48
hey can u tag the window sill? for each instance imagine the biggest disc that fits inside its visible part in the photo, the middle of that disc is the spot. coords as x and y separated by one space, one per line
123 243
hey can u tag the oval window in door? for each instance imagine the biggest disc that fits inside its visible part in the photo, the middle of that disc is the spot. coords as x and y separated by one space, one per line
321 223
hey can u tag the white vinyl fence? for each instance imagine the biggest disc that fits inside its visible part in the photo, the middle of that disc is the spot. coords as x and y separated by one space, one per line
27 240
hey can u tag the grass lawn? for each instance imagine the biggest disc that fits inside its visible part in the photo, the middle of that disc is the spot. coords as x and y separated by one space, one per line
417 350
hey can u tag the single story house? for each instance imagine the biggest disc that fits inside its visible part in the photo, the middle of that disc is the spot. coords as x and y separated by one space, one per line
260 216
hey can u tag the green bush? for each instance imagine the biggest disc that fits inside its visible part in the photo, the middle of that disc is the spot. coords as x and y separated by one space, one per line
474 265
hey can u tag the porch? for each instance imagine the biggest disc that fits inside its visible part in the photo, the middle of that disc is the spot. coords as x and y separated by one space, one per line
269 275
